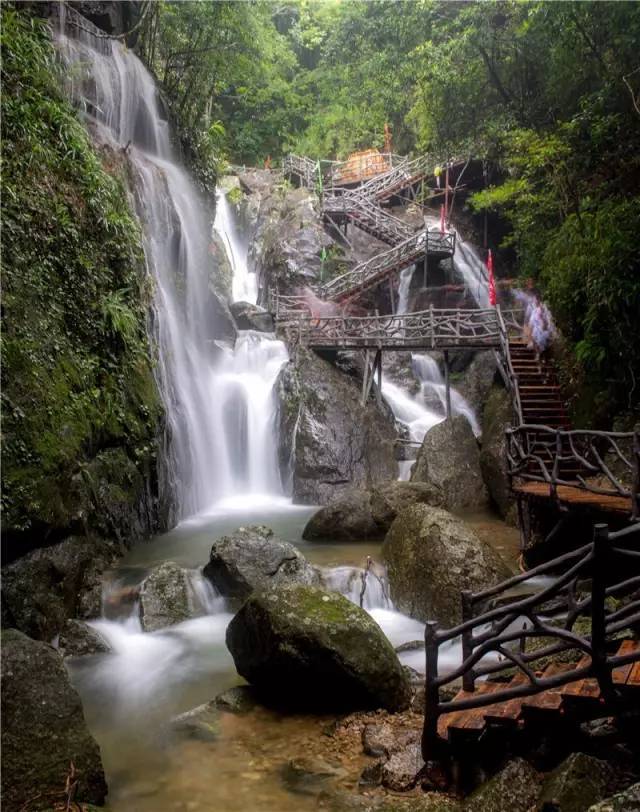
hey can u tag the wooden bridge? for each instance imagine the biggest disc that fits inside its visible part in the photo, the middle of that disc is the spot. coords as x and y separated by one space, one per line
581 609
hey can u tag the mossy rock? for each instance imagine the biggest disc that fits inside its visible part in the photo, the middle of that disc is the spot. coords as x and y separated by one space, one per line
303 647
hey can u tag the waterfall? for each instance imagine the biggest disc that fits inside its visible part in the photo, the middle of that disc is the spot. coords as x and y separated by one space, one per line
472 268
406 277
245 287
217 400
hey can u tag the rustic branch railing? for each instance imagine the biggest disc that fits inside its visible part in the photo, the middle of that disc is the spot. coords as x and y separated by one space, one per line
601 462
494 639
395 259
368 216
427 329
504 360
306 169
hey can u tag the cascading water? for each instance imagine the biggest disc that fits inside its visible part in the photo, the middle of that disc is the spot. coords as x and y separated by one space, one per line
468 263
244 286
220 434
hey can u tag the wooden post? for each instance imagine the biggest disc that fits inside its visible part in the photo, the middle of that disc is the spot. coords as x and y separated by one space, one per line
393 304
365 376
379 368
598 618
635 487
447 385
431 692
468 678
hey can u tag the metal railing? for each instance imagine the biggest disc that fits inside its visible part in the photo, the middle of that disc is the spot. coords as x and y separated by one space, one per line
550 614
601 462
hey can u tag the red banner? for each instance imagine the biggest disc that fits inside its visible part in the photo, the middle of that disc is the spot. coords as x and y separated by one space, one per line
492 281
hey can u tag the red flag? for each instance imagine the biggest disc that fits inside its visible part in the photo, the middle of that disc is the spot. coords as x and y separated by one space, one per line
441 219
492 281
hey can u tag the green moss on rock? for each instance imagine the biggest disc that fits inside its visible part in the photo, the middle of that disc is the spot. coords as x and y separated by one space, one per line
79 401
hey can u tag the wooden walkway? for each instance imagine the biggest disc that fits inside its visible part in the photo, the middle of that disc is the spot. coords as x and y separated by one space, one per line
575 495
574 700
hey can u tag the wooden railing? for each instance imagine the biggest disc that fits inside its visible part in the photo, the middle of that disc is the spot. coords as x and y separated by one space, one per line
366 214
427 329
307 170
395 259
494 638
601 462
503 356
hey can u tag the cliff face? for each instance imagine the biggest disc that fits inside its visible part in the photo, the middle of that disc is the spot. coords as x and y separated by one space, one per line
80 407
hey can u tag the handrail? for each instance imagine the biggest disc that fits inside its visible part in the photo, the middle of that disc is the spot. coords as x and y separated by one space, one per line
503 630
400 256
511 377
539 453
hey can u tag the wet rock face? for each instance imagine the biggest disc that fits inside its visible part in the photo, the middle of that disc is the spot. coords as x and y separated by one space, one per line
331 442
576 784
165 597
248 316
477 380
288 236
302 647
253 558
496 418
201 723
431 556
449 459
362 514
514 789
77 639
47 586
43 730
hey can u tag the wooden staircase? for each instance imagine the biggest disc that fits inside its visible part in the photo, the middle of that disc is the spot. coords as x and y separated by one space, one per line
539 388
574 700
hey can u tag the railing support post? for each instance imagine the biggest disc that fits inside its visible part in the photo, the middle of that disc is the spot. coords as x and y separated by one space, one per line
431 692
468 678
635 485
598 617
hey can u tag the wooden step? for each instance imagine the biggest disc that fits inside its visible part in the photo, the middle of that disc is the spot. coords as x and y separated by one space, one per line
548 701
507 713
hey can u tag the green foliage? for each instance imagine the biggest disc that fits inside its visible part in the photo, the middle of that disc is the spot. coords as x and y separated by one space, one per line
77 376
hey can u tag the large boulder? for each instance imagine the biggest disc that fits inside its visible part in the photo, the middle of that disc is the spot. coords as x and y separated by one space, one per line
449 459
253 558
514 789
363 514
41 590
303 647
43 730
331 441
496 419
166 597
576 784
431 556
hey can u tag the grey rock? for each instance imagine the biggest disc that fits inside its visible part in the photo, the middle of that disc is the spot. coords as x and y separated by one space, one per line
449 459
576 784
303 647
514 789
497 417
477 380
380 739
165 597
201 723
431 556
362 514
43 729
331 442
47 586
400 773
371 775
626 801
77 639
239 699
253 558
308 776
251 317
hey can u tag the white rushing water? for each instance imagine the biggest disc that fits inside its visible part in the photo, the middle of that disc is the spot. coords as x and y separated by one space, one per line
220 438
470 265
244 286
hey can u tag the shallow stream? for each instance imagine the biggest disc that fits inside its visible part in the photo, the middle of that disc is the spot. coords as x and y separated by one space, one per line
131 694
